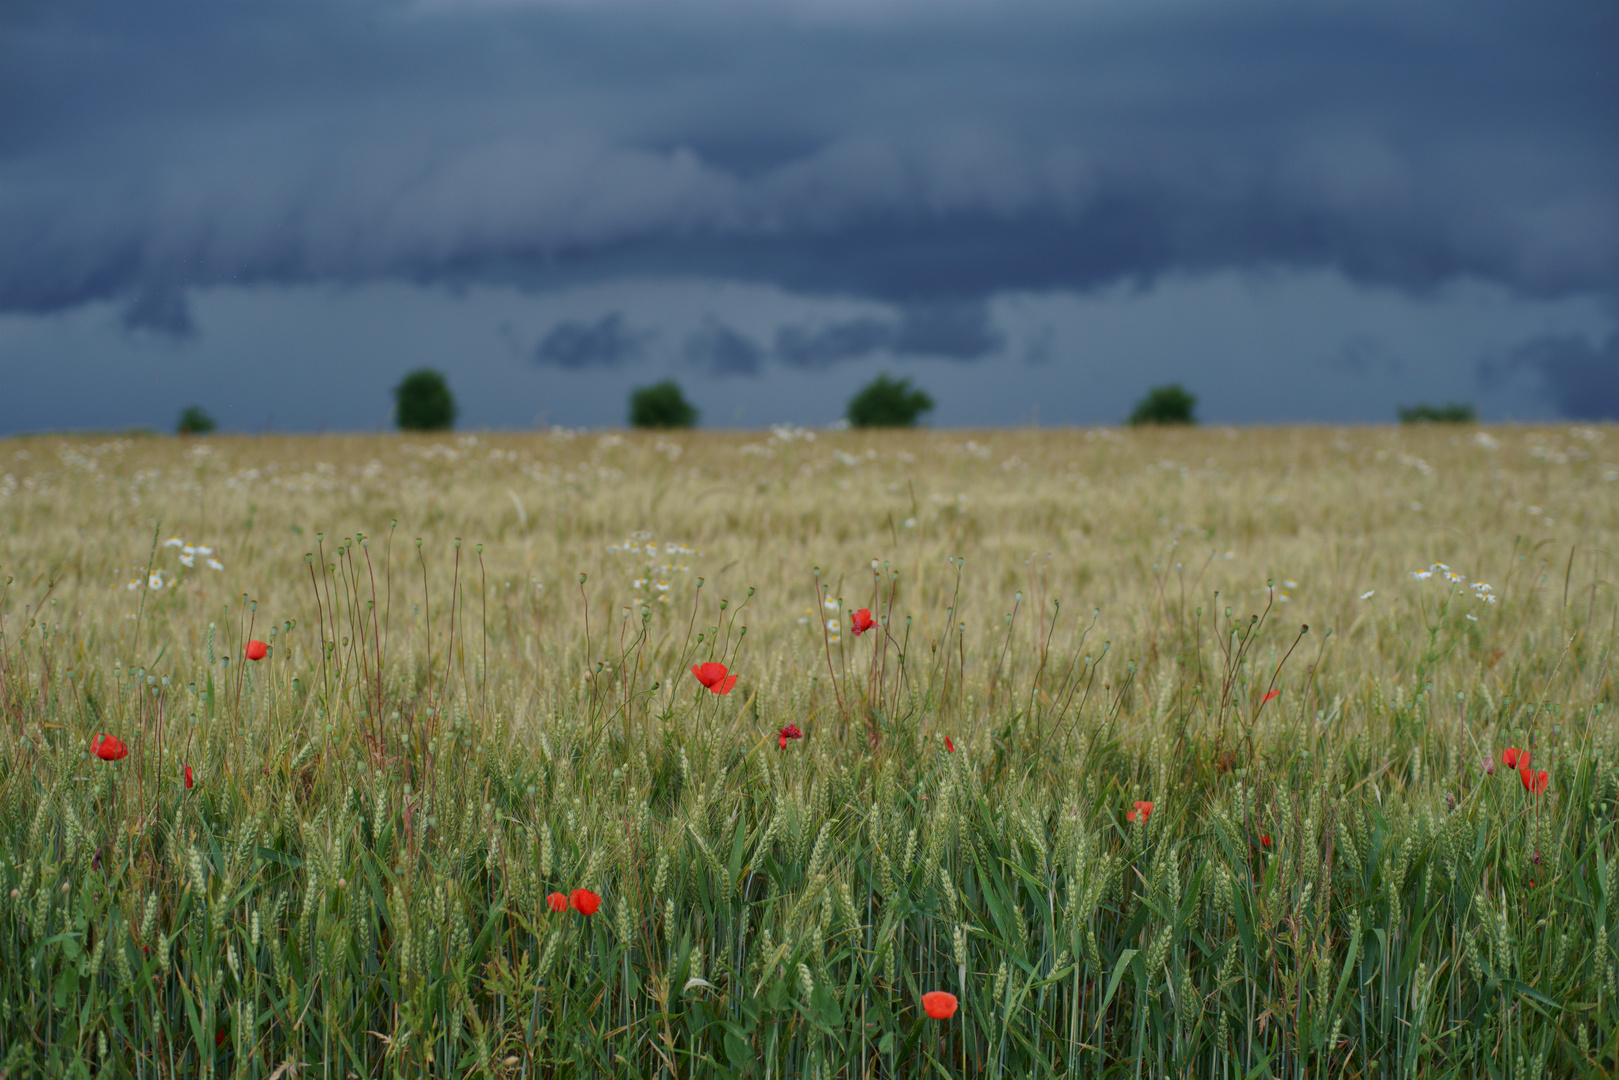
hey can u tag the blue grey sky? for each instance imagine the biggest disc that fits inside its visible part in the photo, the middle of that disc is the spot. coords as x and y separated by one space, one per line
1302 212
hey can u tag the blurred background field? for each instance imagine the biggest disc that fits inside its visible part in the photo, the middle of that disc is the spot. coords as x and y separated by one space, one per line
478 692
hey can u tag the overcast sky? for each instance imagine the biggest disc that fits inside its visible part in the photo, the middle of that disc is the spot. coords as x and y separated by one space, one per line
1303 212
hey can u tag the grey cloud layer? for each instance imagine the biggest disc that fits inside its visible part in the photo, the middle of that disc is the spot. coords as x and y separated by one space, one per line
957 330
925 155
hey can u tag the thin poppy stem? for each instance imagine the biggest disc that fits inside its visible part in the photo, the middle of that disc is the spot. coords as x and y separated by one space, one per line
826 641
1273 676
320 620
483 609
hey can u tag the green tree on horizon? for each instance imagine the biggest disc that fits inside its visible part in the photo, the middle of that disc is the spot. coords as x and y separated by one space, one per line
661 405
423 402
886 402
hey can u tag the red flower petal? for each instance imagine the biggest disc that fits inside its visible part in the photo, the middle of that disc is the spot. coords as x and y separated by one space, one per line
861 621
939 1005
1270 695
948 745
781 741
257 650
187 772
711 674
726 685
585 902
557 902
108 747
1264 839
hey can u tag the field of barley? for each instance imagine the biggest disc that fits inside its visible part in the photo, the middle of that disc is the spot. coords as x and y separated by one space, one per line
1197 753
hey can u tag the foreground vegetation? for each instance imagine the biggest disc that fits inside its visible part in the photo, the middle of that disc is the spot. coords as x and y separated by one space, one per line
339 857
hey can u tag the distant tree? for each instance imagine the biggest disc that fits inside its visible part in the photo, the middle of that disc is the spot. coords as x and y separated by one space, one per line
661 405
1172 404
423 402
1456 412
194 420
886 402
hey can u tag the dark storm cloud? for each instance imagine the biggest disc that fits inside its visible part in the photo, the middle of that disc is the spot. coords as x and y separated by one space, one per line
953 330
920 154
607 342
162 309
823 346
723 350
1582 380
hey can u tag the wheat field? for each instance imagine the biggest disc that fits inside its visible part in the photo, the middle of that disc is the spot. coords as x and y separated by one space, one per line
1168 753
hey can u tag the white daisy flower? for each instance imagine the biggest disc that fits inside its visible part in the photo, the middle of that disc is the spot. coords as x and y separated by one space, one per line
215 564
1368 594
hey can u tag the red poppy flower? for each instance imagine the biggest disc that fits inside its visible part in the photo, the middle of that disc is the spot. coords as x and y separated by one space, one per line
108 747
557 902
713 676
1264 839
939 1004
1513 758
219 1037
861 621
186 772
257 650
1533 782
948 745
585 902
1143 811
1269 695
789 732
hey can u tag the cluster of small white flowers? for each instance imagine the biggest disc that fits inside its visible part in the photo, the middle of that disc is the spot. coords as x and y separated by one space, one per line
190 552
662 562
1481 590
161 578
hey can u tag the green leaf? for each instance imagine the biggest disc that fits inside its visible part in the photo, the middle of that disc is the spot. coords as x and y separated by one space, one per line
1113 980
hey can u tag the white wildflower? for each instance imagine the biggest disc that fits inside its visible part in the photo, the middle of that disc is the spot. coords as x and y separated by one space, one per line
1368 594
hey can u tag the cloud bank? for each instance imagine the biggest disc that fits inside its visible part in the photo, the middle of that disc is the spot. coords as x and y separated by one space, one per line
925 156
